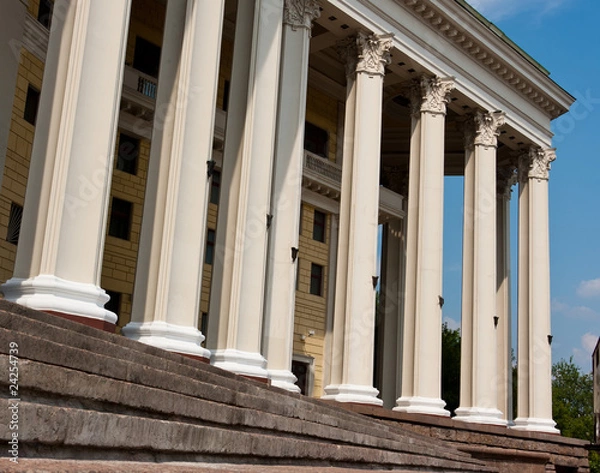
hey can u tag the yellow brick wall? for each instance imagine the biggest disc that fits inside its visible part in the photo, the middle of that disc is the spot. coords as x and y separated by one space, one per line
18 155
310 310
147 21
322 111
120 256
211 223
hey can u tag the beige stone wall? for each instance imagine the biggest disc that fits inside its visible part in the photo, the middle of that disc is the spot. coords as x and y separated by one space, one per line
311 310
322 111
18 154
120 256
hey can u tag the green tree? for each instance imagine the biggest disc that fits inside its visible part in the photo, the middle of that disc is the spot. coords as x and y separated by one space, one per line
572 400
573 404
450 367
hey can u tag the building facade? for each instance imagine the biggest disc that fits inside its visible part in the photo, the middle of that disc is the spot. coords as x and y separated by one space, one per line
215 177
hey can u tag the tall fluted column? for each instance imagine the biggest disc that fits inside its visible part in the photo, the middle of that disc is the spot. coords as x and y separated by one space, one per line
534 407
506 179
237 299
168 282
354 319
422 354
478 390
59 258
287 192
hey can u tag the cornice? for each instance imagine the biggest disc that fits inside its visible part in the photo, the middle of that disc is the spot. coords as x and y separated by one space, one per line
469 33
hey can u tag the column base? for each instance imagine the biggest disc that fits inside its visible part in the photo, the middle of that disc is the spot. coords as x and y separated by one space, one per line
49 293
532 424
421 405
175 338
355 393
480 415
250 365
284 379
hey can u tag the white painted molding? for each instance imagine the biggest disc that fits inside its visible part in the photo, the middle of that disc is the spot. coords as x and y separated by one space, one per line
170 337
532 424
352 393
240 362
421 405
50 293
480 415
284 379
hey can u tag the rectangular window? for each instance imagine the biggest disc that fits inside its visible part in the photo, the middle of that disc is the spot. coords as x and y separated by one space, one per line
215 187
14 223
316 140
114 303
319 226
226 95
146 57
301 370
316 279
45 13
128 153
209 255
120 218
204 323
31 105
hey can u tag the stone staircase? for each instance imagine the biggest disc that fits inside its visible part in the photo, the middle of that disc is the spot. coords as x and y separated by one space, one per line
95 401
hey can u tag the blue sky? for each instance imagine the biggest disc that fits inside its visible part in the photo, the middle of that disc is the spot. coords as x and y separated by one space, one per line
564 37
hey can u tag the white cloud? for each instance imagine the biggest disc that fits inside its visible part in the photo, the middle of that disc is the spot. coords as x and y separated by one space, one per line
589 288
576 312
452 323
496 10
583 354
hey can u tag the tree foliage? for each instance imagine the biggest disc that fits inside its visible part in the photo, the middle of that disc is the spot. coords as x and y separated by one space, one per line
572 400
450 367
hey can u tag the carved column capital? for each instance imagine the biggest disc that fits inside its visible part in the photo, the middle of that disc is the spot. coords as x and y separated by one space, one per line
540 159
300 13
434 93
486 127
366 53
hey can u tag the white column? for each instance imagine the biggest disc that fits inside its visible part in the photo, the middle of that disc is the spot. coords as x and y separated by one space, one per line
534 407
237 299
168 282
479 386
354 319
59 258
422 355
391 301
280 299
506 179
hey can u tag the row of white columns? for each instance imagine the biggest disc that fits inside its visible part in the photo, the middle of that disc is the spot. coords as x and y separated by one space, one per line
252 302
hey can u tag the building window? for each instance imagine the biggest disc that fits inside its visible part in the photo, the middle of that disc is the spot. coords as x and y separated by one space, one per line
209 255
45 13
120 218
31 105
114 303
301 371
319 226
204 323
226 87
215 187
146 57
316 140
316 279
14 223
128 153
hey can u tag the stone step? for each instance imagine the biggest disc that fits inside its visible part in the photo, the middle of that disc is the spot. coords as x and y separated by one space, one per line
85 392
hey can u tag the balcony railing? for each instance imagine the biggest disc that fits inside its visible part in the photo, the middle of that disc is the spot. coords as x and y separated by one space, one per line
146 87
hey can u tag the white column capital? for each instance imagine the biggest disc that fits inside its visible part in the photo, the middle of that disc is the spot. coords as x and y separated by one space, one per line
300 13
505 180
486 127
366 53
434 93
534 163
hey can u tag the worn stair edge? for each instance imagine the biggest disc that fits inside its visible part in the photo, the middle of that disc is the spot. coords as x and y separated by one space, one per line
73 386
81 428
